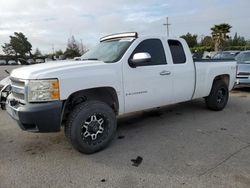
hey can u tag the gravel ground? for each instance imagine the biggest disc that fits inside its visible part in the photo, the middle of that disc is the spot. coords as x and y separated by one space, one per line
182 145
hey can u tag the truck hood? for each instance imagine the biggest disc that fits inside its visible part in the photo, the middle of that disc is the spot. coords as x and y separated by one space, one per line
51 69
4 81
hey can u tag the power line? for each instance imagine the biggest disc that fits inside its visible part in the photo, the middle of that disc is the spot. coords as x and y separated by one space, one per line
167 24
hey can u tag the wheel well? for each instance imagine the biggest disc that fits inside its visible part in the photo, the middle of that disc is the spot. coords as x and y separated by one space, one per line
107 95
225 78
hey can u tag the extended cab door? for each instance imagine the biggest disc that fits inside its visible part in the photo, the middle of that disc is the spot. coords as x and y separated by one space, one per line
149 85
183 71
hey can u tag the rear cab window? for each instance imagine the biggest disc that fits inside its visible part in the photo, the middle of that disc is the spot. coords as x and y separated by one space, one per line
177 52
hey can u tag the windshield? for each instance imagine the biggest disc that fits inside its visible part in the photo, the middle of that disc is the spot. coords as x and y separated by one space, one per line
108 51
243 57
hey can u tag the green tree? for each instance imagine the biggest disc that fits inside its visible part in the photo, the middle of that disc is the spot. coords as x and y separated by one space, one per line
83 48
73 48
59 52
8 50
220 35
237 41
20 44
207 41
190 39
37 53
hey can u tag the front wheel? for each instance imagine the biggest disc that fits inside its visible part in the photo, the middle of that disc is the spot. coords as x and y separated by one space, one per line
91 126
218 97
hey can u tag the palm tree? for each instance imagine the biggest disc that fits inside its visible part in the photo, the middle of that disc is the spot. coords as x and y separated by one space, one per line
219 33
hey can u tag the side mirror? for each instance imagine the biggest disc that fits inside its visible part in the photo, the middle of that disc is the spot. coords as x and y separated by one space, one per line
139 59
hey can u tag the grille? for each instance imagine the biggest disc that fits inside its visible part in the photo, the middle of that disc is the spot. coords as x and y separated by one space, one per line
243 75
18 89
18 96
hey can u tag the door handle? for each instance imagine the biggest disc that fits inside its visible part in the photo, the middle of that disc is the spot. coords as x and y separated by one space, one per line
165 73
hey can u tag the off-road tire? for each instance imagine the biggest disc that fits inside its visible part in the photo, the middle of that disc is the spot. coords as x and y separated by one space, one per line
218 97
74 126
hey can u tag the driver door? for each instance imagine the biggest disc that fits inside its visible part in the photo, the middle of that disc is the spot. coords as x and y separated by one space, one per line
150 84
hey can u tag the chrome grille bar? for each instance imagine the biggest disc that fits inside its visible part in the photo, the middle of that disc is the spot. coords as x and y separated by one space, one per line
18 89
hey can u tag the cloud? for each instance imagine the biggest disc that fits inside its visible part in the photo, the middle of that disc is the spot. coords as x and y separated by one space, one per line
49 23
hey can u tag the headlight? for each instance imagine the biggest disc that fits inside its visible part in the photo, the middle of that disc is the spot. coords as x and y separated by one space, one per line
43 90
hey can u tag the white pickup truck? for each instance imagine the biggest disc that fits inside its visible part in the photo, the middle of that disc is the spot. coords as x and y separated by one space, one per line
124 73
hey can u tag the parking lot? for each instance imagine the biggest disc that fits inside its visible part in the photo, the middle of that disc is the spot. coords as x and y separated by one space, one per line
182 145
9 68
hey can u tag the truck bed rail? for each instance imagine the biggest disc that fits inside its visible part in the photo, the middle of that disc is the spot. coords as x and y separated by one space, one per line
213 60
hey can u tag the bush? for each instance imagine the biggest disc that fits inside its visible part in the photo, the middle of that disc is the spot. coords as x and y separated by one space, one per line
241 48
201 49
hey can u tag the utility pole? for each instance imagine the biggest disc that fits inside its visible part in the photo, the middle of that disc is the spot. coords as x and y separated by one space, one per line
81 47
167 24
53 49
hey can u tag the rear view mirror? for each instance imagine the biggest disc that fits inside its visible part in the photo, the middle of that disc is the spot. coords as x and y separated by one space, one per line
139 59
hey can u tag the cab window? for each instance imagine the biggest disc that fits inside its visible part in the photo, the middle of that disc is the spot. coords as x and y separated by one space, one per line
177 51
155 48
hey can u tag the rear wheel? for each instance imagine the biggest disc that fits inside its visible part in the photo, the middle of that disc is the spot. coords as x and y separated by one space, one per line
218 97
91 126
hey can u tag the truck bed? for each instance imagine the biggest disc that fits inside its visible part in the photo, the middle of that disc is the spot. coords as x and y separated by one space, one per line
206 71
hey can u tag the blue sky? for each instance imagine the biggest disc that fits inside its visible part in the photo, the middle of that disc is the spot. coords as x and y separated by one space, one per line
49 23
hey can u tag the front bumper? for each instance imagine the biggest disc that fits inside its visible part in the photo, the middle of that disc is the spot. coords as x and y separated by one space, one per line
39 117
241 83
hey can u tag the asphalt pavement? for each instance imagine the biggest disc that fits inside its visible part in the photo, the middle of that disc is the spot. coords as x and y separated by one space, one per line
182 145
9 68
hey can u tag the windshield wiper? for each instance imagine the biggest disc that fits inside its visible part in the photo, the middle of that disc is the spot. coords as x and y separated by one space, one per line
95 59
